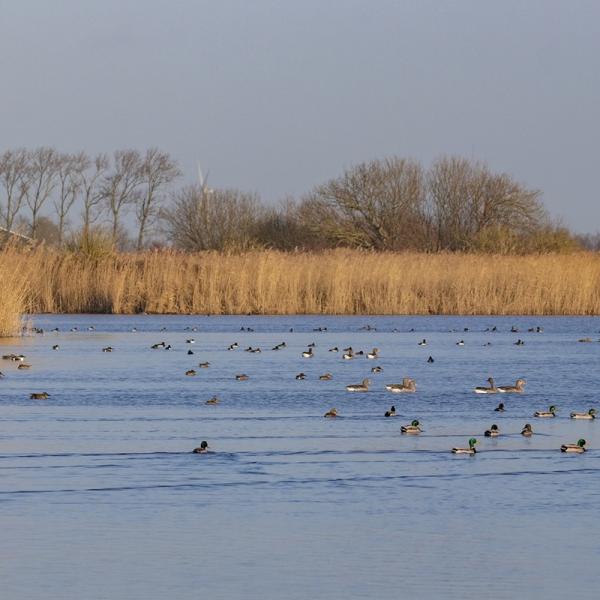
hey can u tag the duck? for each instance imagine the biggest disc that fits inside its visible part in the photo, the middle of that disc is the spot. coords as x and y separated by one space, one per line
513 389
326 377
348 355
460 343
213 400
108 349
39 396
190 372
407 385
423 342
334 349
373 354
300 376
487 390
55 347
202 449
590 414
24 366
308 353
519 342
190 341
331 413
377 369
391 412
577 448
359 387
493 431
242 377
500 407
204 365
527 430
233 346
190 352
430 359
159 345
470 450
412 428
551 412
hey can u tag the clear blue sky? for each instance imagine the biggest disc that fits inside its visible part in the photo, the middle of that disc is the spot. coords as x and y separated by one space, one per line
278 96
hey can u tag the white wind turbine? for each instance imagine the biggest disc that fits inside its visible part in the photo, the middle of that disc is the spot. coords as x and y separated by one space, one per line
203 179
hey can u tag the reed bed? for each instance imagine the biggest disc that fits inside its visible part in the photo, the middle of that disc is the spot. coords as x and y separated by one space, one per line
270 282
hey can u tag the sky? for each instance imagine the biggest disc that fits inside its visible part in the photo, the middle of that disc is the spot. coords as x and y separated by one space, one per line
275 97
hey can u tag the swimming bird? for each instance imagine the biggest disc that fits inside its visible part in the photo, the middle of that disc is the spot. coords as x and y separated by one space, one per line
543 414
24 366
412 428
190 341
493 431
332 412
500 407
159 345
326 377
519 342
513 389
391 412
460 343
585 340
213 400
204 365
233 346
308 353
373 354
55 347
348 355
430 359
334 349
590 414
407 385
487 390
359 387
242 377
423 342
190 372
301 376
108 349
190 352
578 448
470 450
202 449
527 430
39 396
377 369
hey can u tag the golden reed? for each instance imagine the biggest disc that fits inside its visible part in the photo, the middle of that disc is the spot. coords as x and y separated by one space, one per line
270 282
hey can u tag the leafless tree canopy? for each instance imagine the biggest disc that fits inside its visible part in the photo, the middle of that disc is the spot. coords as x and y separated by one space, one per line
43 165
14 181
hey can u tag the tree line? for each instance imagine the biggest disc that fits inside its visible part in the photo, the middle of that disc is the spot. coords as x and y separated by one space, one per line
391 204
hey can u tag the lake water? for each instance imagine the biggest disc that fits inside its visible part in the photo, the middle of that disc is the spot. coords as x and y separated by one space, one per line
101 497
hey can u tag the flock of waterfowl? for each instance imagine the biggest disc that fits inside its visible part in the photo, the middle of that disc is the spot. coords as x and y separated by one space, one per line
407 385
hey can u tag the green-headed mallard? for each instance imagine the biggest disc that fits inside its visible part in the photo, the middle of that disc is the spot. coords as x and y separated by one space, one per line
590 414
578 448
412 428
202 449
470 450
551 412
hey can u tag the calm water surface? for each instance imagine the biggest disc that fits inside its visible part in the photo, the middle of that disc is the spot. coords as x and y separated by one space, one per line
100 497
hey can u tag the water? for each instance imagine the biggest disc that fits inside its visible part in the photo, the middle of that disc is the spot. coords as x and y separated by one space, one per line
100 496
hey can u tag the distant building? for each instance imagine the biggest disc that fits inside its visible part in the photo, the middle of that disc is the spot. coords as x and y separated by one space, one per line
14 236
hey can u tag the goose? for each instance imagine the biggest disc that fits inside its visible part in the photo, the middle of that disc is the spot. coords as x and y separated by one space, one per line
202 449
242 377
412 428
39 396
590 414
543 414
377 369
300 376
470 450
391 412
578 448
359 387
527 430
326 377
407 385
513 389
204 365
308 353
213 400
190 372
500 407
332 412
423 342
373 354
487 390
493 431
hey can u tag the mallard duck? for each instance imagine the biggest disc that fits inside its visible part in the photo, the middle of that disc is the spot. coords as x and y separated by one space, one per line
527 430
204 365
190 373
391 412
500 407
407 385
213 400
543 414
359 387
373 354
487 390
300 376
590 414
326 377
332 412
493 431
578 448
39 396
202 449
470 450
308 353
513 389
242 377
412 428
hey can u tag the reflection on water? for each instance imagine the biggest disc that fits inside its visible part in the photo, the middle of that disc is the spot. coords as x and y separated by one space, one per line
100 496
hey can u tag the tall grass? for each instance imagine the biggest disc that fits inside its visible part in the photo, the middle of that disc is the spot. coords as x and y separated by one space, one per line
332 282
14 293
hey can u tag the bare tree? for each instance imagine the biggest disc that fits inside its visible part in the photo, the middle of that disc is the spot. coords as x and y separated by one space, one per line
90 174
211 220
158 170
120 187
13 178
69 168
43 165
